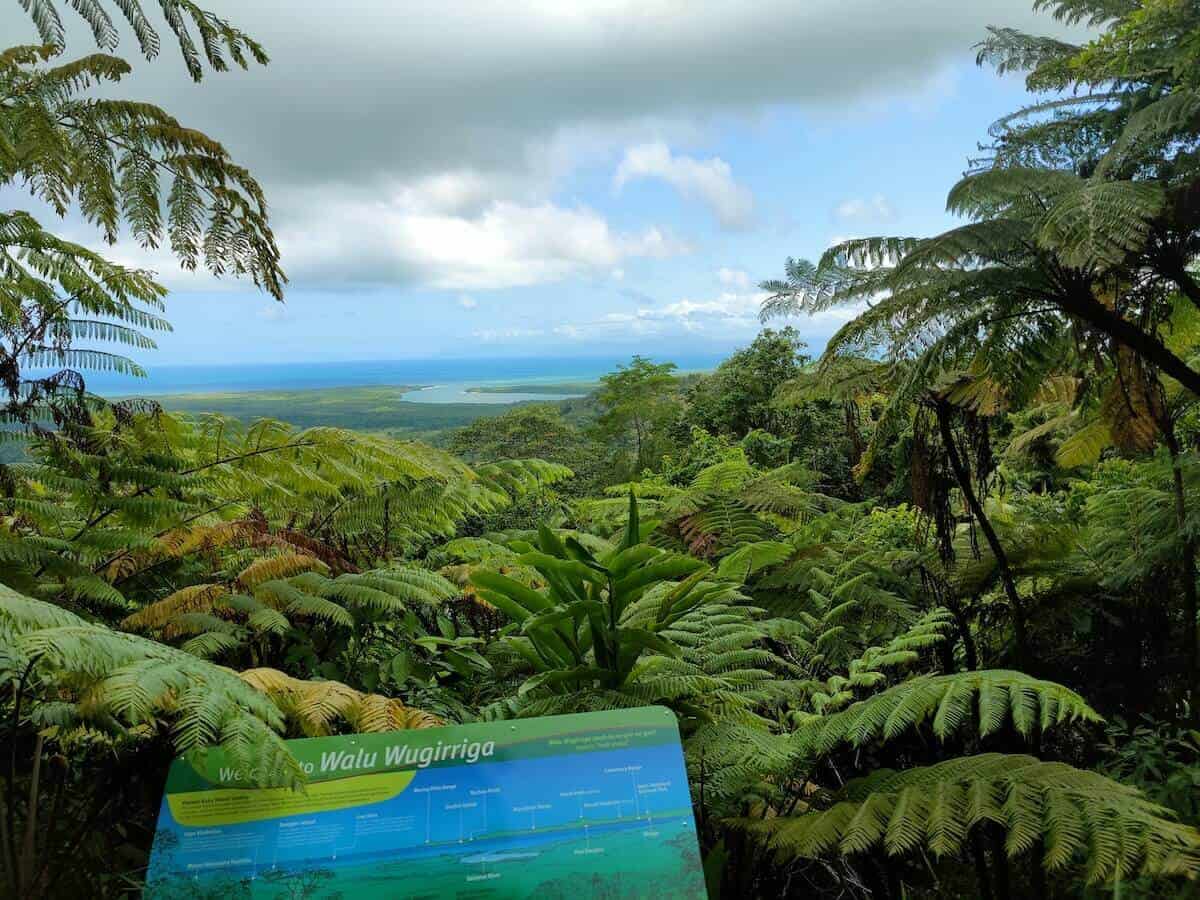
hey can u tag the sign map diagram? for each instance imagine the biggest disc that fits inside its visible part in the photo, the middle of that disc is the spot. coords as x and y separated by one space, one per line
588 805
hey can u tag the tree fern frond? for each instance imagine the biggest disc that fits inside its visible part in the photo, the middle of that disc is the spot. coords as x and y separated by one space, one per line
1102 222
317 707
948 703
939 805
284 565
121 681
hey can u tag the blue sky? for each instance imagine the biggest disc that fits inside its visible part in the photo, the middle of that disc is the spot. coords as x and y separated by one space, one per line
596 178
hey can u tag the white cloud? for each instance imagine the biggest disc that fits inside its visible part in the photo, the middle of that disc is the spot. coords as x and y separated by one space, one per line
494 335
725 306
529 93
728 315
709 181
459 233
273 312
734 278
873 209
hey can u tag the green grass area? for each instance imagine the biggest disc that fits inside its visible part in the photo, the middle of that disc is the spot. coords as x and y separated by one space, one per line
562 388
377 409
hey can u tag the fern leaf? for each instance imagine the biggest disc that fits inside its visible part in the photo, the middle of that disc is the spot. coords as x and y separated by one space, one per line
946 701
938 806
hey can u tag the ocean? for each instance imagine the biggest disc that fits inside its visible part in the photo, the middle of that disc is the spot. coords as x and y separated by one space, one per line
443 380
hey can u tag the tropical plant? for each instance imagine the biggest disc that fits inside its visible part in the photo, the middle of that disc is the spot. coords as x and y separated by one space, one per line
573 632
254 613
101 509
738 396
638 403
108 159
875 590
85 689
1068 817
630 625
314 708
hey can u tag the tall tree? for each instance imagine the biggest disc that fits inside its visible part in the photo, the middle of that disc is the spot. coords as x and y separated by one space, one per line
736 398
1084 213
1082 232
639 402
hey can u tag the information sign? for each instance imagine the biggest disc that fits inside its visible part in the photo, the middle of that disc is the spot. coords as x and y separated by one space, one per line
579 806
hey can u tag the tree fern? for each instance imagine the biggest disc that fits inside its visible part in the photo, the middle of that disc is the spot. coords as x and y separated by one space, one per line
119 683
219 40
273 592
732 504
317 708
835 682
948 703
107 159
1080 818
283 565
138 490
194 598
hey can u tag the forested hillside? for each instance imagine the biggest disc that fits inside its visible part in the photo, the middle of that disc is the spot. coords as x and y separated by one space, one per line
924 603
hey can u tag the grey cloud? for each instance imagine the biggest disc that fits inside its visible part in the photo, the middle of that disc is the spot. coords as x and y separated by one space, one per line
375 98
368 88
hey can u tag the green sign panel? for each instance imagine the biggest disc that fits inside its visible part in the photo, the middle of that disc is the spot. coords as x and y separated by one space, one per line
589 805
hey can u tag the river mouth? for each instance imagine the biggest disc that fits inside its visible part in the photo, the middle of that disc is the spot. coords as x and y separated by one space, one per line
492 392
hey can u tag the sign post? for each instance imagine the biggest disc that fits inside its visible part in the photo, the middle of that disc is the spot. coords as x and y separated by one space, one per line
578 806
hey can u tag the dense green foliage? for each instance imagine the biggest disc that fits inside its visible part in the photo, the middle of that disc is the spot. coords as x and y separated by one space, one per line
925 607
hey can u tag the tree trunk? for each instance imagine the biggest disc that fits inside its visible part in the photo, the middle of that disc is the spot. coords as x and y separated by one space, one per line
963 477
964 634
27 868
1175 266
983 879
1187 574
637 431
999 862
1127 334
1037 875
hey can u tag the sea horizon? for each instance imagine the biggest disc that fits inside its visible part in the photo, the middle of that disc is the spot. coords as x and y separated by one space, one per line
201 378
